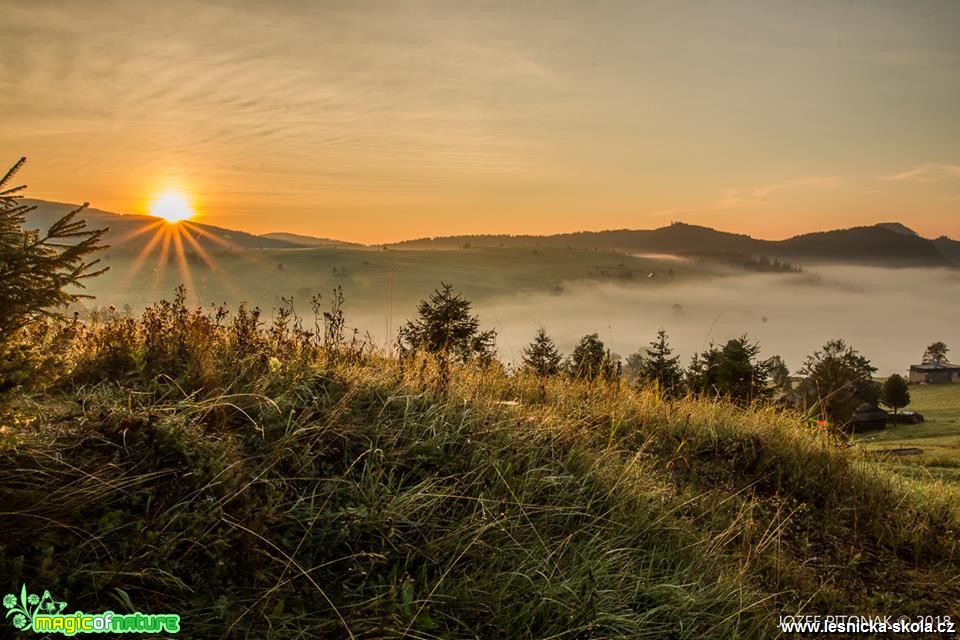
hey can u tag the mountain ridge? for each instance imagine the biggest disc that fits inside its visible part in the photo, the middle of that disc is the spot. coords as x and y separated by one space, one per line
885 243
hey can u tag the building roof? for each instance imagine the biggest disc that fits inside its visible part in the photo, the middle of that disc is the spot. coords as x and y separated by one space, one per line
932 366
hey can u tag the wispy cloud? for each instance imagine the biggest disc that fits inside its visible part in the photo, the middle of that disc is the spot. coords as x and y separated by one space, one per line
762 194
931 172
735 199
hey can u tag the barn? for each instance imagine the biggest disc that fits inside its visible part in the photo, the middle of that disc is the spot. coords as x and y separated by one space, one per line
933 373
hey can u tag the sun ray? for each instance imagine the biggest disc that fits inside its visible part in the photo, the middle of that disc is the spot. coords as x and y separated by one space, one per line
142 256
162 261
153 225
187 278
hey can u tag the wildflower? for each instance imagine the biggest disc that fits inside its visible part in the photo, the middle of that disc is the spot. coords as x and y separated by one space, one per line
274 364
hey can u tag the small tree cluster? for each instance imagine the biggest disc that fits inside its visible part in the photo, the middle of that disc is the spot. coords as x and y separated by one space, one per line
838 380
732 371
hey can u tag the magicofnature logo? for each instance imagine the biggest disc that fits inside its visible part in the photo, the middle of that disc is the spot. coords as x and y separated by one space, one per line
43 614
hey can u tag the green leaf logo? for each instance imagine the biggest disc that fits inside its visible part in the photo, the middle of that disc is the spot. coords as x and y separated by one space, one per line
28 605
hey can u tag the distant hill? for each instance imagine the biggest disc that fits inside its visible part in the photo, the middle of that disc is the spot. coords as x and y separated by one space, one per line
949 249
883 244
132 232
891 244
308 241
898 227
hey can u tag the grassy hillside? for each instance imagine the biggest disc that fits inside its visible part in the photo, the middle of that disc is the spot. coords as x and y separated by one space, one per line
264 485
938 436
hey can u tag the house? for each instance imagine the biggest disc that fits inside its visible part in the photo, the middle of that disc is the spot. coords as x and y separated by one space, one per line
933 373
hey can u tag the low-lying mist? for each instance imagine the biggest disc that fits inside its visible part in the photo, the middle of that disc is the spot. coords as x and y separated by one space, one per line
889 315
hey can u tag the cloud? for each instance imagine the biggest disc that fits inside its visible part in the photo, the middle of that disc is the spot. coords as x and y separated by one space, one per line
931 172
761 194
735 199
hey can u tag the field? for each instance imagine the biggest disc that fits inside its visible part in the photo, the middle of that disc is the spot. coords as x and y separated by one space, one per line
938 436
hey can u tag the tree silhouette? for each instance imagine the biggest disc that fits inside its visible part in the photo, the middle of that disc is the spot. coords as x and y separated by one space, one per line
731 371
542 356
37 269
657 366
936 354
592 360
895 393
37 272
838 379
444 325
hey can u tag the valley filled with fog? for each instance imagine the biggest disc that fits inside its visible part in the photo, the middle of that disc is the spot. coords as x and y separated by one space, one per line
889 315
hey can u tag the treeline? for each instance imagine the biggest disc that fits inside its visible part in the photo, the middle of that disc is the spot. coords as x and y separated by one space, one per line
834 380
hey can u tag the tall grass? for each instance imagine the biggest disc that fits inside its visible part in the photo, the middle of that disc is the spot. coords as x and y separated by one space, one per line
267 483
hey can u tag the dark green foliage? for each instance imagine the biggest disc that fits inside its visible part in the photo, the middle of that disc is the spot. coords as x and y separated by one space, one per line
37 269
37 272
444 325
936 353
731 371
542 356
837 381
591 360
657 366
895 393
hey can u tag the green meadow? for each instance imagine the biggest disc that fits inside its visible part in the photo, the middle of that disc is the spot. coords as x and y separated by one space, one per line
938 436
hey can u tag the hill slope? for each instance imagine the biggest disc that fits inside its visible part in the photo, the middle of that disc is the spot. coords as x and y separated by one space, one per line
308 241
342 494
131 233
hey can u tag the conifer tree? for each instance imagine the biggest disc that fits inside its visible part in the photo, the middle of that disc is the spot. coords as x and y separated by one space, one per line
657 366
542 356
592 360
445 326
39 274
37 270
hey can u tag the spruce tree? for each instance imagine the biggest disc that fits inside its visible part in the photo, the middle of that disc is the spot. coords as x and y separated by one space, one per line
39 274
444 325
542 356
38 270
657 366
592 360
731 371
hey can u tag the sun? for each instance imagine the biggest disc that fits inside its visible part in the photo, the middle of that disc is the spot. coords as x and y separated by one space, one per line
172 207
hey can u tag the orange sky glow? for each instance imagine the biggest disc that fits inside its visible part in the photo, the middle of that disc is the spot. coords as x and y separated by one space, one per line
381 121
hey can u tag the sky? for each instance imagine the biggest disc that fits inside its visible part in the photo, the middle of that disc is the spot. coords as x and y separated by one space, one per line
380 121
